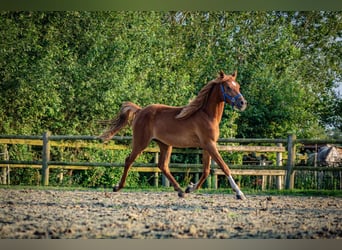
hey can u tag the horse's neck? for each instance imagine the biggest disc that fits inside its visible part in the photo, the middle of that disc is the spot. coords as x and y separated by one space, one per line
214 107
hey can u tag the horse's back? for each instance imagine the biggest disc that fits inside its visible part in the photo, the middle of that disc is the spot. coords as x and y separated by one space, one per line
159 111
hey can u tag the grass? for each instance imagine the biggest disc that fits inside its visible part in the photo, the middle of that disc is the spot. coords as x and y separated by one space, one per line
293 192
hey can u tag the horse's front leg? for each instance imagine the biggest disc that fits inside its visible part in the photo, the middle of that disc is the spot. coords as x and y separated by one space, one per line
218 159
239 194
206 171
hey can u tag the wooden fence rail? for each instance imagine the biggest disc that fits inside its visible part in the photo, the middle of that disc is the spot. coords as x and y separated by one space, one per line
47 141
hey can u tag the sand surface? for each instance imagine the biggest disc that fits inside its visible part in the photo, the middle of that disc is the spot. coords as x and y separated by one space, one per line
32 214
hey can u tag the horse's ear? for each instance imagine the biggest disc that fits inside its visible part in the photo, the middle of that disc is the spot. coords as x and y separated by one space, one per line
234 74
221 74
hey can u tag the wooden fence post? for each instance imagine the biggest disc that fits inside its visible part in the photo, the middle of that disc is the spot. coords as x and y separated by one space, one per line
279 180
5 178
165 181
213 182
45 159
197 175
291 151
156 175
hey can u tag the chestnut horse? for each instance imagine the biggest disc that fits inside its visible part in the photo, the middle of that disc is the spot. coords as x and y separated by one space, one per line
193 125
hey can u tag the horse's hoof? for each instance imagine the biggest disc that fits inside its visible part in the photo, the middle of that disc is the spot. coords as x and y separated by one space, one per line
181 194
241 197
116 188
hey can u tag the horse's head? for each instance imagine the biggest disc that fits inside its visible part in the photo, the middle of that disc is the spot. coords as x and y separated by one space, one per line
231 91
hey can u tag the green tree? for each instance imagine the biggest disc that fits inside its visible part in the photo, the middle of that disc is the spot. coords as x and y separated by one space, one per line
64 71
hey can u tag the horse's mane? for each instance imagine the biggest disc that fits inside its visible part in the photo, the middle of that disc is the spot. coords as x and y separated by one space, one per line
198 103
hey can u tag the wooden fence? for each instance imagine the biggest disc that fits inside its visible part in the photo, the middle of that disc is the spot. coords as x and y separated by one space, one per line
284 174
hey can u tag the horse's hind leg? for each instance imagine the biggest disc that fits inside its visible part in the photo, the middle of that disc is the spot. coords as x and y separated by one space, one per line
128 163
137 149
164 158
206 171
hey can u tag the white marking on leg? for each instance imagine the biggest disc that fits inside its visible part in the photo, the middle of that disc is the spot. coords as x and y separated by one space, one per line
192 186
116 187
235 187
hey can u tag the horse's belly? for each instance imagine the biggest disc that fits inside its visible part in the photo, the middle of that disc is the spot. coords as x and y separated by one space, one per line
179 140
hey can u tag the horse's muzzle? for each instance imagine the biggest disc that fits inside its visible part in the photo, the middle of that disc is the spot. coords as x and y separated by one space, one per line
240 104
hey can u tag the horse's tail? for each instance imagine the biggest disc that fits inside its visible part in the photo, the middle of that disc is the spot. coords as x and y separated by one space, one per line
126 115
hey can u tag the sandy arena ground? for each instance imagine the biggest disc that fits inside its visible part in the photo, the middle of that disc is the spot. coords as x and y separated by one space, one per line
49 214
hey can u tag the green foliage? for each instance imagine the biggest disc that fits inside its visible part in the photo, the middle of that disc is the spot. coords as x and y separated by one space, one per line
107 177
64 71
25 176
